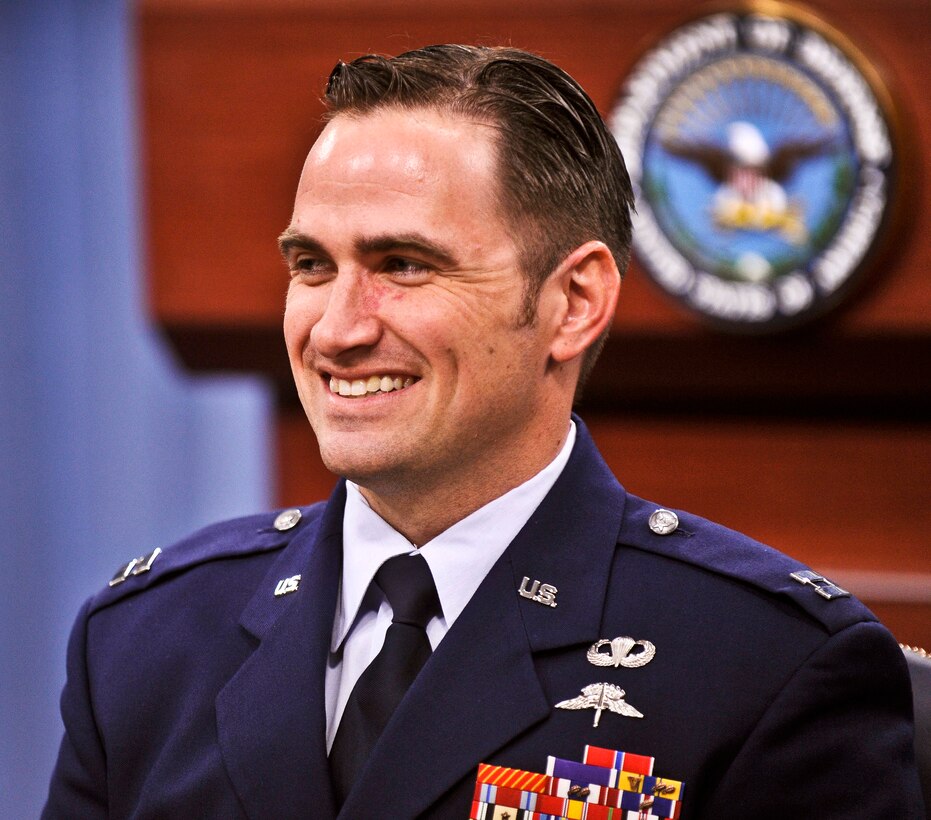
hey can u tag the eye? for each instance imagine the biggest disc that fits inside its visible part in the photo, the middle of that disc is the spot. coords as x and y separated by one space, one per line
306 266
404 268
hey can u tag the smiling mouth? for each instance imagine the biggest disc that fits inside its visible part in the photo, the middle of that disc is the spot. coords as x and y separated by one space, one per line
369 386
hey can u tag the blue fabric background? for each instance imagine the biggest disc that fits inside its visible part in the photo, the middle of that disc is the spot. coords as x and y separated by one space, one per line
107 448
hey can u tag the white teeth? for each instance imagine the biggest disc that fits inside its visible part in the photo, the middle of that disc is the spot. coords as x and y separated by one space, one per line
372 384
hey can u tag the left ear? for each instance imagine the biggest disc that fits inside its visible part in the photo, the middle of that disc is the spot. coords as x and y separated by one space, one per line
589 284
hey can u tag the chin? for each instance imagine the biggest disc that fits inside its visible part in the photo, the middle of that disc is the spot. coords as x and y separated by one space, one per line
354 463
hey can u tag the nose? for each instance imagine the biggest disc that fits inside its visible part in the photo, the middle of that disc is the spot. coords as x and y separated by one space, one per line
349 320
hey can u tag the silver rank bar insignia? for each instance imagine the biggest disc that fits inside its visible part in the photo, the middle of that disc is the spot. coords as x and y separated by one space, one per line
135 567
820 584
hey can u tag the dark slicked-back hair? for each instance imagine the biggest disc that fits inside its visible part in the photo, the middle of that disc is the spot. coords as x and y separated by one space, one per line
563 180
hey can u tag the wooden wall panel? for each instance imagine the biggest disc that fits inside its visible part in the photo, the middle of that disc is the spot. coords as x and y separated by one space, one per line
230 101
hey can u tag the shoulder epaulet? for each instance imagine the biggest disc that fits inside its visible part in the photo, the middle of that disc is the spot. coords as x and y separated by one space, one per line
712 547
239 536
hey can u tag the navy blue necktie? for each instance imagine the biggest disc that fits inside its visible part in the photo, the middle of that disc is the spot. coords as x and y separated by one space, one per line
408 585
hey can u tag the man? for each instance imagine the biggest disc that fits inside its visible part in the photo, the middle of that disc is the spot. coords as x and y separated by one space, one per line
454 253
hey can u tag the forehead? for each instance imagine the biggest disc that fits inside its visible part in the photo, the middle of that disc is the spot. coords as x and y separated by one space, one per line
409 152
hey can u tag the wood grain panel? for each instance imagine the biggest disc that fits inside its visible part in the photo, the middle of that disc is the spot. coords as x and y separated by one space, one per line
230 102
302 478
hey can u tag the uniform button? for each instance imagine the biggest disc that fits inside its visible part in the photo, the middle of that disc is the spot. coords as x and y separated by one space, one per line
664 522
287 520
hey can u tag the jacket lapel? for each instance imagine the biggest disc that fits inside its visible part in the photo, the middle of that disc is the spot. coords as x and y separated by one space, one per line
271 715
480 689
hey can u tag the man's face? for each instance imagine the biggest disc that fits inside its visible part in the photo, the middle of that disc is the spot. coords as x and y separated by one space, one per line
403 311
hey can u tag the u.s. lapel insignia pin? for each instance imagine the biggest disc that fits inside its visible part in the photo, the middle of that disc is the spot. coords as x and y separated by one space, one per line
601 696
540 593
622 653
287 585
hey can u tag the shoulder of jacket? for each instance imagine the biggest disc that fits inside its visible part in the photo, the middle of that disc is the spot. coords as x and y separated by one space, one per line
714 548
248 535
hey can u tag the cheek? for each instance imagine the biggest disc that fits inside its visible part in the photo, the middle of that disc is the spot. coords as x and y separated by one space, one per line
300 316
292 332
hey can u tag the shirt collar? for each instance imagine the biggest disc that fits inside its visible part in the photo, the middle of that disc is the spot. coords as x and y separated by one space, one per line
459 557
368 541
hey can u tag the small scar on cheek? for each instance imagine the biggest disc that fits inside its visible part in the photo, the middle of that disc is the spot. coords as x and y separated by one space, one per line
372 300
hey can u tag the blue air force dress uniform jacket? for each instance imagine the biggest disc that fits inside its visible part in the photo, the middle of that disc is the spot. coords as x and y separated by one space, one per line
194 691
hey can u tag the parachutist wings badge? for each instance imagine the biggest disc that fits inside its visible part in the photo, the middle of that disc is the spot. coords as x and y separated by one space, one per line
601 696
622 653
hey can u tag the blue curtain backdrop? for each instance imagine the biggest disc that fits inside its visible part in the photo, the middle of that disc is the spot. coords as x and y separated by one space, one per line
107 449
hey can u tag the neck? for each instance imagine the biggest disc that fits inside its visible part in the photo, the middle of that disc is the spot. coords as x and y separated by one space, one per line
420 508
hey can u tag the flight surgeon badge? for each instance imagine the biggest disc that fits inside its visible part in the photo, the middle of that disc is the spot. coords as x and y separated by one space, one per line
760 147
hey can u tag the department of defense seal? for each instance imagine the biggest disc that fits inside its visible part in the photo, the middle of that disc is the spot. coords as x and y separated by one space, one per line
760 147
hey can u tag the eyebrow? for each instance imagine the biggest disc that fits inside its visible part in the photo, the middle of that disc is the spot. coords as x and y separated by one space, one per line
383 243
291 239
409 242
